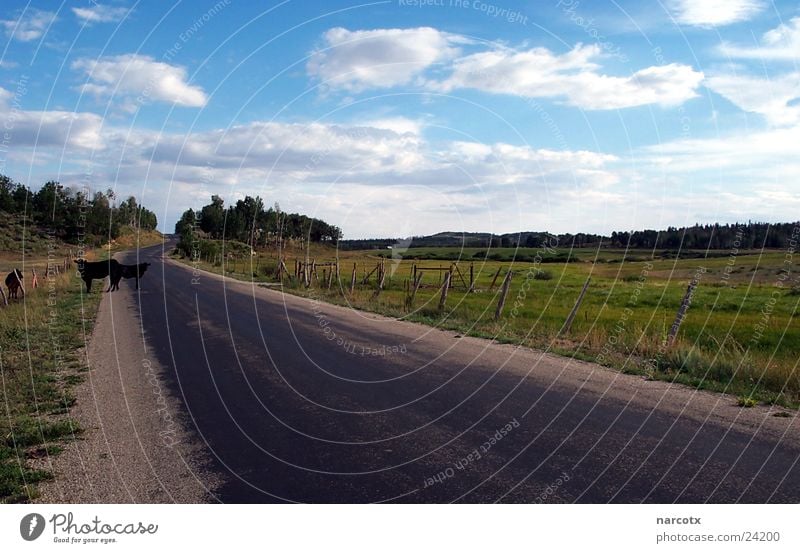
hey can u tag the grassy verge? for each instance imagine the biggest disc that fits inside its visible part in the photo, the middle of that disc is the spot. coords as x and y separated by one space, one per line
41 340
130 239
740 334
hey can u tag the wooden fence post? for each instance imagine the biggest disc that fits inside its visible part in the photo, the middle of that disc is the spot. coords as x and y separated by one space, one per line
353 280
413 295
497 274
461 276
445 286
568 322
685 303
34 280
330 277
382 279
472 277
503 293
3 295
22 284
369 274
282 269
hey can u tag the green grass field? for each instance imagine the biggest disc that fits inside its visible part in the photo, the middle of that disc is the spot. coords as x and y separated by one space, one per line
740 334
41 339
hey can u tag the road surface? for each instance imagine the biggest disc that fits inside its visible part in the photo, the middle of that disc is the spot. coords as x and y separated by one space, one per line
228 391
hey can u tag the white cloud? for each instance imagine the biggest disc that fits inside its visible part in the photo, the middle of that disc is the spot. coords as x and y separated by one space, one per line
59 129
750 154
400 125
382 58
99 13
294 149
780 43
7 64
776 99
715 13
539 73
141 77
29 25
331 170
357 60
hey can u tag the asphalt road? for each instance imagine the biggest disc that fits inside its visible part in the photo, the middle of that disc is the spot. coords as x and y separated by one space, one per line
287 399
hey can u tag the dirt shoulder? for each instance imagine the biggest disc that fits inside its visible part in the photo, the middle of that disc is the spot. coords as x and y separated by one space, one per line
135 446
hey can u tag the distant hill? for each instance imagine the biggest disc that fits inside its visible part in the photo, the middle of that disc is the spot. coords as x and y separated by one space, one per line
748 235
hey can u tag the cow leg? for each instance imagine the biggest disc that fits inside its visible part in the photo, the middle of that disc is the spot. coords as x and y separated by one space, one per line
88 282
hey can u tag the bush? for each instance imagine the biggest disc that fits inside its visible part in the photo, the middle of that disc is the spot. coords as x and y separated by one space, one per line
746 402
543 275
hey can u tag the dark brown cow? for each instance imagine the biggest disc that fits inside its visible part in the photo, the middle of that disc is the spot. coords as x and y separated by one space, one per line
128 271
14 283
91 270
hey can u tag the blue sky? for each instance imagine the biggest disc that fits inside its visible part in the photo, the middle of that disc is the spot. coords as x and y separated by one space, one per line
402 117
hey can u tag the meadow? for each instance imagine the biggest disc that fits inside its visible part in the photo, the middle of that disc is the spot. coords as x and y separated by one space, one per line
739 335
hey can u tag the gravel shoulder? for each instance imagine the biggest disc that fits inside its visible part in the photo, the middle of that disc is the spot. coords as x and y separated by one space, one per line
136 446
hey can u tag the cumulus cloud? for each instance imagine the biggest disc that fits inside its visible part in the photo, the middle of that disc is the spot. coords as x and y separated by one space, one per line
133 76
780 43
99 13
60 129
357 60
371 180
539 73
379 58
715 13
291 148
776 98
29 25
338 171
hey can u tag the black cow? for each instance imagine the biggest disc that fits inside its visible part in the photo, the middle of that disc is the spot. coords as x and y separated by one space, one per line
14 283
128 271
91 270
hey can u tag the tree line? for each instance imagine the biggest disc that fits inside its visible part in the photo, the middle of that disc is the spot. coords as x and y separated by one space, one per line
249 222
71 214
750 235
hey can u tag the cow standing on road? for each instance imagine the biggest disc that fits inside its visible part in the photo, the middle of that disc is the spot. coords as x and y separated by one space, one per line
128 271
90 270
